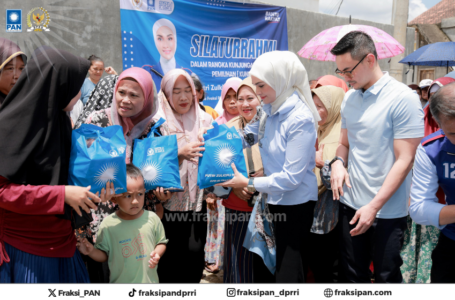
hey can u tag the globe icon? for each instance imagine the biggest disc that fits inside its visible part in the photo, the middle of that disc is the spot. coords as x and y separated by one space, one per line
13 17
328 293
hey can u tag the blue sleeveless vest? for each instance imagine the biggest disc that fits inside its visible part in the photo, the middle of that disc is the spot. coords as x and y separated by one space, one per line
442 154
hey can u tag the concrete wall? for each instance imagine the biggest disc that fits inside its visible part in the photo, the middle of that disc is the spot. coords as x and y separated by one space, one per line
448 26
90 27
309 5
82 27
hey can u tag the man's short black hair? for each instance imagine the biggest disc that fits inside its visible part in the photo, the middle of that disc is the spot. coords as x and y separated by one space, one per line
357 43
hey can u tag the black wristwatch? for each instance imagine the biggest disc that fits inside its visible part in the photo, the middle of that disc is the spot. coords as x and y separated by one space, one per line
335 159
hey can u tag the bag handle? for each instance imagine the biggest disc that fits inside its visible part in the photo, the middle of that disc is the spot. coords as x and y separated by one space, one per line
212 132
154 128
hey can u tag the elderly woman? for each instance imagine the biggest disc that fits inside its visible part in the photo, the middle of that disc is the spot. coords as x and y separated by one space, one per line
433 169
323 237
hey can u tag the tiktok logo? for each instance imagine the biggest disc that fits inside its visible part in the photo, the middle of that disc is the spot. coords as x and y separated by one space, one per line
131 294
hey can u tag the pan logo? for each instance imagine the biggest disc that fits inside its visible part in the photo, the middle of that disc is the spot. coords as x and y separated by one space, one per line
14 20
151 172
229 136
151 5
107 173
224 155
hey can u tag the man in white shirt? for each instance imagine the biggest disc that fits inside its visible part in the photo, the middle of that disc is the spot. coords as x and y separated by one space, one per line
382 125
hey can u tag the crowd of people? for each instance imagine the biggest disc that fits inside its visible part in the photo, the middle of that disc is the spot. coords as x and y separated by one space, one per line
350 177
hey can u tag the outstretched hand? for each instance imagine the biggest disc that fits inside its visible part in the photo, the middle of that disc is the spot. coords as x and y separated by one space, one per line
239 181
80 197
107 193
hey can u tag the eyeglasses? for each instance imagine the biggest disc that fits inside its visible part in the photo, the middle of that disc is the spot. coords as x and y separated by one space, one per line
349 73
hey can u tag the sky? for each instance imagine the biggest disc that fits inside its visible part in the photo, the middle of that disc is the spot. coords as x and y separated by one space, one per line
381 13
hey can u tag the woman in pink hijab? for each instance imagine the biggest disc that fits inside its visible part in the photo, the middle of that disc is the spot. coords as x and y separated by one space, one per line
134 107
185 220
333 81
229 100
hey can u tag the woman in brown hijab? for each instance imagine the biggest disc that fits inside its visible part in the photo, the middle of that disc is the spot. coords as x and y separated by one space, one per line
323 237
12 62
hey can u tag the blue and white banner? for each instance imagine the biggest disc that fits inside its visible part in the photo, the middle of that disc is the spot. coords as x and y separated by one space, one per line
214 39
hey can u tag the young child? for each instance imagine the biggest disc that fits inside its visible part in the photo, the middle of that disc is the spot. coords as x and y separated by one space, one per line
127 237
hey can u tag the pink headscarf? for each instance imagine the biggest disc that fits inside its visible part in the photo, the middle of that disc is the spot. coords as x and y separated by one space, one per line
134 126
186 126
231 83
332 80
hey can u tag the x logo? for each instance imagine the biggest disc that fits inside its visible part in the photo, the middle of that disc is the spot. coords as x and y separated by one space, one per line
52 293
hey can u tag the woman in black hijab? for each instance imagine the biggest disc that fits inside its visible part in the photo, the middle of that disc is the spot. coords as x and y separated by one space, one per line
36 243
12 62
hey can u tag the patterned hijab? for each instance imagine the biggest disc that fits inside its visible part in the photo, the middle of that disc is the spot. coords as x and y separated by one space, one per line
186 126
100 98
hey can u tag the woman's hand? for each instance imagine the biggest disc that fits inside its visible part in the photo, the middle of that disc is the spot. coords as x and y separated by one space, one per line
84 246
190 151
162 195
202 131
110 70
319 159
239 181
108 193
80 197
159 210
242 193
211 201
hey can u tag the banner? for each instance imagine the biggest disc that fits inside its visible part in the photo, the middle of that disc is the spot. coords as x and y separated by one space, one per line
214 39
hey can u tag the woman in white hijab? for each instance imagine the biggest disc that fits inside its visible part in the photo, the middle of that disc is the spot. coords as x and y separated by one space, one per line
286 134
165 37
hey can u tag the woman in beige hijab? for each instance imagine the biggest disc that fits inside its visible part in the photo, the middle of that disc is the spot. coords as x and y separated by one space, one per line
323 237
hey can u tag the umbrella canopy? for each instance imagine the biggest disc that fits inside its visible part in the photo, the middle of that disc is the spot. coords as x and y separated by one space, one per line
438 55
318 48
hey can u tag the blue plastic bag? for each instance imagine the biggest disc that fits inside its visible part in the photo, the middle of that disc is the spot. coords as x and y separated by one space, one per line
157 157
223 146
97 157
